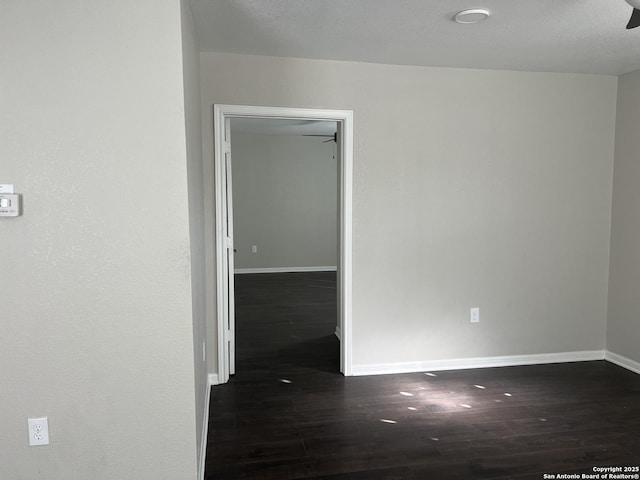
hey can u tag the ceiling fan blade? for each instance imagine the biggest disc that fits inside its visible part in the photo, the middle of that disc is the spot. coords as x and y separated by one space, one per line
332 138
634 21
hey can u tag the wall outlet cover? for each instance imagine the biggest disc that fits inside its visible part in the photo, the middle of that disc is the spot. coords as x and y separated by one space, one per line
38 431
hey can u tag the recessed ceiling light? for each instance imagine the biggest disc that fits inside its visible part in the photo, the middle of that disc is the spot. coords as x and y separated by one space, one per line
473 15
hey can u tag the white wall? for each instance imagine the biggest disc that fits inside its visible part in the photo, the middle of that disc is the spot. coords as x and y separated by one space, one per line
96 301
471 188
193 130
623 332
285 190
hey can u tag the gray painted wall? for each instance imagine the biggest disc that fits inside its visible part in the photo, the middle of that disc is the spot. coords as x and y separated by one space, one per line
285 190
96 301
623 332
471 188
193 129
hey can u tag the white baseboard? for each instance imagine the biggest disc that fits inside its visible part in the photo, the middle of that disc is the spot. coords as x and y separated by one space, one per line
480 362
214 379
338 333
285 270
622 361
205 429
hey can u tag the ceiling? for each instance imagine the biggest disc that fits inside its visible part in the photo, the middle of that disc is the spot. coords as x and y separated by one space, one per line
580 36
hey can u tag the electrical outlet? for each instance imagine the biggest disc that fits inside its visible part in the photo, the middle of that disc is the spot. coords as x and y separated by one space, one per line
254 249
38 431
475 315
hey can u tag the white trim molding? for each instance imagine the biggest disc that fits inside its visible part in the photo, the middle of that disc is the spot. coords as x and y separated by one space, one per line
623 362
205 428
240 271
479 362
214 379
338 333
344 119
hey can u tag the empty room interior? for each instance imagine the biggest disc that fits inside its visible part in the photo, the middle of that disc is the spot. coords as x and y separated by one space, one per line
285 239
338 239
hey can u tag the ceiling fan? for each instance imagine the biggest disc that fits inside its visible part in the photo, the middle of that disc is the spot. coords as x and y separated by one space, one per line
634 21
332 138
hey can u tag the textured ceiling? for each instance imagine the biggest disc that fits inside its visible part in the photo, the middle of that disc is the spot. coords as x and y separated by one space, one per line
582 36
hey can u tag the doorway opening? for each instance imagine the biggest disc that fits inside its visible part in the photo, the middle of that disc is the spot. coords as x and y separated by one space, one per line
343 124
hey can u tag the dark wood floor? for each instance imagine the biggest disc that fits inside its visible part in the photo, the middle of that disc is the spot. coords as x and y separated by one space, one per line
288 413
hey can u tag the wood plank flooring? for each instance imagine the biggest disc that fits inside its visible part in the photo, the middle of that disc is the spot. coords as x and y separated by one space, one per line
288 414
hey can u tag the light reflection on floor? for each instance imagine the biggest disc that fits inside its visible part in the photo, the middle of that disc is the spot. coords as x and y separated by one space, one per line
453 401
425 396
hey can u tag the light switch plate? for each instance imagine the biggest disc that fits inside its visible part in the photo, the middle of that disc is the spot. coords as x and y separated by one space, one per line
10 205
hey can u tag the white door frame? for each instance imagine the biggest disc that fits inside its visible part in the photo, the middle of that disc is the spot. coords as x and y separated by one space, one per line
345 119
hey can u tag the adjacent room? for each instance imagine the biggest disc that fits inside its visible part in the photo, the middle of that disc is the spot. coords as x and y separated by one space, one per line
285 236
469 309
